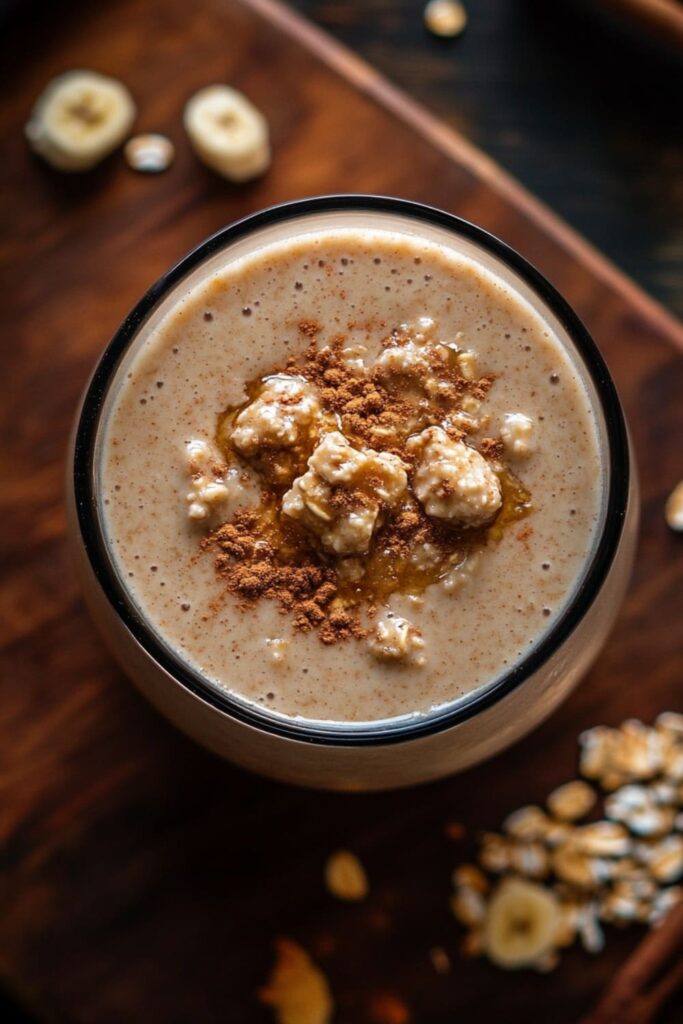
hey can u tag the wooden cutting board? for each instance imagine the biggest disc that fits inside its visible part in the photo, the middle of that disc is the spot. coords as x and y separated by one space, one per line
141 878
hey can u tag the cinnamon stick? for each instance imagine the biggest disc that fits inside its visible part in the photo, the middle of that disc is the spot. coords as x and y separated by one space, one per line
647 980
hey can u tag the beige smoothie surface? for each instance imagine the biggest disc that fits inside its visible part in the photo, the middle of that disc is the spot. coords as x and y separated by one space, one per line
374 415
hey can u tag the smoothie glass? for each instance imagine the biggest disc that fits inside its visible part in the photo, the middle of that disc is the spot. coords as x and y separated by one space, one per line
382 754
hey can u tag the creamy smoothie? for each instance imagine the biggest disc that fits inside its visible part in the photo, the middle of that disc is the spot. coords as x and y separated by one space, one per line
350 476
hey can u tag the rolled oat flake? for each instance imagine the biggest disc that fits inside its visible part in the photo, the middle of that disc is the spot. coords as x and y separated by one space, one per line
345 876
445 18
149 154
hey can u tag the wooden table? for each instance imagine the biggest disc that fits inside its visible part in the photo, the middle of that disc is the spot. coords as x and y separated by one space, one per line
140 878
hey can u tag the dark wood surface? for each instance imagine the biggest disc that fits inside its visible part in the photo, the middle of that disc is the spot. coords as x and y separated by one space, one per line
580 105
141 879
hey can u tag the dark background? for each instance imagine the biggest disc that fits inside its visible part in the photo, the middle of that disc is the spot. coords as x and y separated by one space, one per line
585 113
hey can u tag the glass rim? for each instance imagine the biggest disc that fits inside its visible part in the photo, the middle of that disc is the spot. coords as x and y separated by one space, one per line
381 732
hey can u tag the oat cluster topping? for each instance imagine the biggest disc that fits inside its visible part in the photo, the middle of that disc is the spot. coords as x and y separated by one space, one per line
517 435
396 639
344 492
551 878
376 478
279 418
208 475
453 481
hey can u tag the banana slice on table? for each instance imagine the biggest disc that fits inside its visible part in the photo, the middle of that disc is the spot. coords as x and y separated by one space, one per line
79 118
522 924
227 132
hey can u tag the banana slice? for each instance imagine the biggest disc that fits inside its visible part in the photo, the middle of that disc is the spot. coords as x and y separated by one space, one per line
227 132
79 118
522 924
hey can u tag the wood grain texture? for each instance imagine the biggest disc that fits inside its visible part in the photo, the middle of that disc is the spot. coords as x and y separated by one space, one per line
140 878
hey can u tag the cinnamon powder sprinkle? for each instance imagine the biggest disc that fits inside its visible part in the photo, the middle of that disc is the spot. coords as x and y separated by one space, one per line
309 327
491 447
253 566
261 554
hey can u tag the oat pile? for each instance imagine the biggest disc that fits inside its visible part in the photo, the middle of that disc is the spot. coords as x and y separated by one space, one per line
550 878
604 849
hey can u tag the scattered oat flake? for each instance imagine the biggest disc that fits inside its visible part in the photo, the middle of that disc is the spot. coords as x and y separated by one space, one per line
590 932
595 751
149 154
573 866
665 862
445 18
663 902
297 990
529 860
526 823
468 906
345 876
602 839
386 1008
673 510
572 801
494 855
